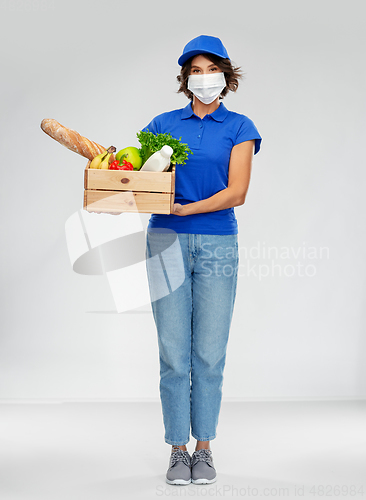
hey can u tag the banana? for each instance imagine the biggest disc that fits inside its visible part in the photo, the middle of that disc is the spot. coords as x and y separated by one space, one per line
95 163
105 163
102 158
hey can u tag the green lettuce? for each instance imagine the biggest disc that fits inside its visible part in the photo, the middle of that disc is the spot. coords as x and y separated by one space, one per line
151 143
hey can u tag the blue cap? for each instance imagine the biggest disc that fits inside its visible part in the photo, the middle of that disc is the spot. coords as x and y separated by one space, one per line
203 44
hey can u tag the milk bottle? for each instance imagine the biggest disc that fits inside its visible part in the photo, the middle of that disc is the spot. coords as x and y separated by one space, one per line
159 161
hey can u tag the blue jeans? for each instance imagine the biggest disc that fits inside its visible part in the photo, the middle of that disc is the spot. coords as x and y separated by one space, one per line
192 282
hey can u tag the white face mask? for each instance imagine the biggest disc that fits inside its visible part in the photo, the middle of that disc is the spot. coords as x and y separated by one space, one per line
207 87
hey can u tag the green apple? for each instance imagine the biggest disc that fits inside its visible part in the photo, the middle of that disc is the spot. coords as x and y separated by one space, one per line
132 155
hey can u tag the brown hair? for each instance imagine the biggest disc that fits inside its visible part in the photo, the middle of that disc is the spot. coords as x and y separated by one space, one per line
231 73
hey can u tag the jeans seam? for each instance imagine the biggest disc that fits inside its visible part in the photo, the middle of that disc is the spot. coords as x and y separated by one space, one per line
193 356
168 441
208 438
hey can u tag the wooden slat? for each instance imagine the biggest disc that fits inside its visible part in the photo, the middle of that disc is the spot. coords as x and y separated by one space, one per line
127 201
173 189
125 180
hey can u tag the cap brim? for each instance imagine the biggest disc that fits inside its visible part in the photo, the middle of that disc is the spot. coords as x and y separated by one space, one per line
184 57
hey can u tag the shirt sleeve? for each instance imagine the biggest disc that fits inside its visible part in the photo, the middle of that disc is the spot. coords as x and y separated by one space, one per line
247 132
153 127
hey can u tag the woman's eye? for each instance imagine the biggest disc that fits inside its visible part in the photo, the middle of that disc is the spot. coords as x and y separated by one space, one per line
210 69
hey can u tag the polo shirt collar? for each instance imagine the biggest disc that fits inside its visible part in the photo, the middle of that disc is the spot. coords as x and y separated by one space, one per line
218 115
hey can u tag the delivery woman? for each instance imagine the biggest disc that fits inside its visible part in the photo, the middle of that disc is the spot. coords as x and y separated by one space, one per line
192 254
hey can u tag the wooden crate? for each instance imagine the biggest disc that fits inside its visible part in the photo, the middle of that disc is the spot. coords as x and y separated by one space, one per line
117 191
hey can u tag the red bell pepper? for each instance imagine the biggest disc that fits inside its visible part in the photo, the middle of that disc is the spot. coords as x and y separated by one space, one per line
117 165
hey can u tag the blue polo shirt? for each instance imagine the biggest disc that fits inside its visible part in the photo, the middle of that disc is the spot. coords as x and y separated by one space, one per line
205 173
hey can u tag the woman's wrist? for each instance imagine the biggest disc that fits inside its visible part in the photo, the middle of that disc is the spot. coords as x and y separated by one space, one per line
191 208
186 209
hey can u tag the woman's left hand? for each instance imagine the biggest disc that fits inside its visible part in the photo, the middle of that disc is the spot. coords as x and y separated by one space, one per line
178 209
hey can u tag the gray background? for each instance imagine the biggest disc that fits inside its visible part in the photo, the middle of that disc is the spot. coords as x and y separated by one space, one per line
106 69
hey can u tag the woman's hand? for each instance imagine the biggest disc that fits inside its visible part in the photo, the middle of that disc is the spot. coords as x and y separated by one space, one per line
178 209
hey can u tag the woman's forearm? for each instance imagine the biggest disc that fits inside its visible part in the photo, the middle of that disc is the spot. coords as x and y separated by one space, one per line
226 198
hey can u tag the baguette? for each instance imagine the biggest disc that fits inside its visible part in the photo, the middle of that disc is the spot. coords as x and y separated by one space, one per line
71 139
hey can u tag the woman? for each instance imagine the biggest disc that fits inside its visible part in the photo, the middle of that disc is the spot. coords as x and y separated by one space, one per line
192 254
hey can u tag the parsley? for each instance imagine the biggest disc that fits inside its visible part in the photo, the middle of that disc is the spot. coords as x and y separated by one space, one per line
151 143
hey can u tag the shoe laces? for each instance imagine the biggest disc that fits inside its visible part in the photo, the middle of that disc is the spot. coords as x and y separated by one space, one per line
180 456
202 455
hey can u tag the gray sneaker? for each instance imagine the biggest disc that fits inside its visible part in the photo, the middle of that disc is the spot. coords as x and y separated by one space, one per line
179 471
202 467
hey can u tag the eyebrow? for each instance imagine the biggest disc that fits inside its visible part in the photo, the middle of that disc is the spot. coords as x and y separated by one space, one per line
199 67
